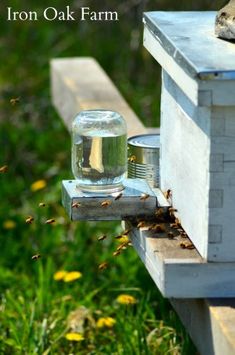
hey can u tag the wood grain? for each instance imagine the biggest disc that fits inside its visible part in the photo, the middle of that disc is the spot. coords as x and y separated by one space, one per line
81 84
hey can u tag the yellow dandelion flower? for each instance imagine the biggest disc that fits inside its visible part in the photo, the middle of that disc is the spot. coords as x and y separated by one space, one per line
59 275
107 322
38 185
9 224
74 337
126 299
72 276
123 239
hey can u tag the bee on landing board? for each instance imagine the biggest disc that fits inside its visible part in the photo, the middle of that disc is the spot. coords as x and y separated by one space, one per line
105 203
159 213
76 205
170 235
158 228
187 245
141 224
144 197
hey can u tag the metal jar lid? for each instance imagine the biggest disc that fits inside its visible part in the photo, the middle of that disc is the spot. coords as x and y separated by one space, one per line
143 158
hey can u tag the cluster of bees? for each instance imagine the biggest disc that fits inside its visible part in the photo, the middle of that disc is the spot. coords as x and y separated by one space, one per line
123 246
164 221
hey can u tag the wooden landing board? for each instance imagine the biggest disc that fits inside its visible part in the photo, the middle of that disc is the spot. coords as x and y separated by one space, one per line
81 84
182 273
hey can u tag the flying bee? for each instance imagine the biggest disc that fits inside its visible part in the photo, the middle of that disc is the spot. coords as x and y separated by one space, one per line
132 159
50 221
168 194
118 236
105 203
36 257
76 205
41 204
144 197
117 197
102 237
122 246
103 266
126 231
29 220
117 252
3 169
15 101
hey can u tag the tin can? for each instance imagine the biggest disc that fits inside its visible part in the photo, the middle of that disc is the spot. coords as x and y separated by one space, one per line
143 158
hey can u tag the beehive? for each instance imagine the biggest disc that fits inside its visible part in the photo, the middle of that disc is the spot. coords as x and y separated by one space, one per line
197 141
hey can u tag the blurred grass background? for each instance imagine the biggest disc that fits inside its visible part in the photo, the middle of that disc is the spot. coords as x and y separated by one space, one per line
34 308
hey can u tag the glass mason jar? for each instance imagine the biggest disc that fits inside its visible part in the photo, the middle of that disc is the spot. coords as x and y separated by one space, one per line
99 150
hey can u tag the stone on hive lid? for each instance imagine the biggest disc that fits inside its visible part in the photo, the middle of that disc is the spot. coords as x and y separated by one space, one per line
225 21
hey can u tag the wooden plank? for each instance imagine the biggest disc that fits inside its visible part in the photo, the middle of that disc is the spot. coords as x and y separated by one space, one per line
210 324
81 84
182 273
129 205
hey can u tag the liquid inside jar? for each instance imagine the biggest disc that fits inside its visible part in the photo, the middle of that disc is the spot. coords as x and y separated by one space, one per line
99 160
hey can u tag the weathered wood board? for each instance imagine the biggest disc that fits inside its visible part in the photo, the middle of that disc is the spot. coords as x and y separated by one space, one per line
182 273
81 84
130 203
210 323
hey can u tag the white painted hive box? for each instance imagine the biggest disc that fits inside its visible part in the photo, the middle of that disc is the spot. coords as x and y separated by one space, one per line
197 126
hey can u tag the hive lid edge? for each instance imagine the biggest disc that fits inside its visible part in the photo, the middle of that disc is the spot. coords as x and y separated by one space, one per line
168 29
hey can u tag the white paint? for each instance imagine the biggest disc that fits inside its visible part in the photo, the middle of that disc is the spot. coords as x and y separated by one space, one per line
181 273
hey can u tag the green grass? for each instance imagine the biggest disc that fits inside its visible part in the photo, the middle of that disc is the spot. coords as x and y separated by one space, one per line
36 310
